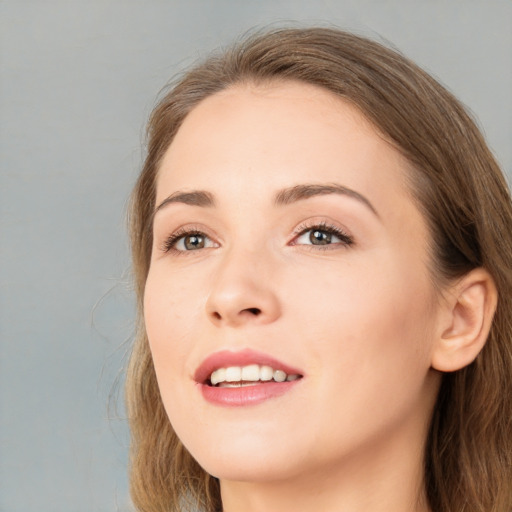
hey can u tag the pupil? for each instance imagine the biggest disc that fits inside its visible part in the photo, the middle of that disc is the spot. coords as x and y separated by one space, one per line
194 242
320 238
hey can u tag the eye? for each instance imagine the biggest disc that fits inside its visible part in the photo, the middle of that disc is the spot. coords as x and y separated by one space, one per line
322 235
186 241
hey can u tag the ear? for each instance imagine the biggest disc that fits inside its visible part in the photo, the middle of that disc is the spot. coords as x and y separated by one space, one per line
467 317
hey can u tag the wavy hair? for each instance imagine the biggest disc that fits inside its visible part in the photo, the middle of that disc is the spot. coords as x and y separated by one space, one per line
462 193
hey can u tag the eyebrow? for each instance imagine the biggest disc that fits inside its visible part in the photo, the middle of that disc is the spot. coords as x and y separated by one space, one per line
193 198
300 192
284 197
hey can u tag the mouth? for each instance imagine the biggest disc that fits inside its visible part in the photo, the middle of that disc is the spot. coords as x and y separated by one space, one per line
244 378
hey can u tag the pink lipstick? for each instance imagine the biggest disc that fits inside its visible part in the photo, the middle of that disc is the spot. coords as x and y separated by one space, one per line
244 378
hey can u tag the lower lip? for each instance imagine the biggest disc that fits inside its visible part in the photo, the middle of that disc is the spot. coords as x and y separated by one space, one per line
247 395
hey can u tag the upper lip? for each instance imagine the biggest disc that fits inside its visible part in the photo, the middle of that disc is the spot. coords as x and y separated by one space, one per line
226 358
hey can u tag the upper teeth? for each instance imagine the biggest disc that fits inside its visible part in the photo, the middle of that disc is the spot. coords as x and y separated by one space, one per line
250 373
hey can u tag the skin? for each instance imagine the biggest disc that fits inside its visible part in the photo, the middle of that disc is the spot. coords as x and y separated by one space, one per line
360 320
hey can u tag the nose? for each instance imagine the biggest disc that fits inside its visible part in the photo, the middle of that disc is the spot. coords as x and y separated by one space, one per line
243 292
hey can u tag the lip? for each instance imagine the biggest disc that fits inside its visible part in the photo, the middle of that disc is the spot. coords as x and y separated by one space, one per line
242 396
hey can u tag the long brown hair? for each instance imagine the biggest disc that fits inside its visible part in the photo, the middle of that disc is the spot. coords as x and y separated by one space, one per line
463 195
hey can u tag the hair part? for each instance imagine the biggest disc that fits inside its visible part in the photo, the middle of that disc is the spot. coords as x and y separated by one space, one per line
462 193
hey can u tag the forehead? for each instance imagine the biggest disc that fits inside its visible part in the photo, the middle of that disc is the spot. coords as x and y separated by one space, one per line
276 135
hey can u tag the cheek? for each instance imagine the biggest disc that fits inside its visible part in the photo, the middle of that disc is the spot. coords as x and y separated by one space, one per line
367 335
171 310
368 319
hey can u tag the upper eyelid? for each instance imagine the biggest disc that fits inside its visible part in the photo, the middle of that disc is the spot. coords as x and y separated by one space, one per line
187 228
322 227
306 226
323 224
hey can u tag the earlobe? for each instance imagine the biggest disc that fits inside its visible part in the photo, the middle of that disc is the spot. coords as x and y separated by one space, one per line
470 305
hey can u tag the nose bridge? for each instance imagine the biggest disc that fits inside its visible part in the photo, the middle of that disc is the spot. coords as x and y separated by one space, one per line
242 290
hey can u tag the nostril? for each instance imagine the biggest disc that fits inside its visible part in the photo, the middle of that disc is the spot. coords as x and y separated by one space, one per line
235 316
252 311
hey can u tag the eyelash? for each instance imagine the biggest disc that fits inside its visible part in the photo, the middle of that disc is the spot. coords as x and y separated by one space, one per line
169 244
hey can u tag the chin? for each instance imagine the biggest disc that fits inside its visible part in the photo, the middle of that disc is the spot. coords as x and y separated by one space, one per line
247 459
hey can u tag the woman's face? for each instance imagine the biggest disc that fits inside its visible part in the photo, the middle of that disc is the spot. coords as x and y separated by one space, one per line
285 238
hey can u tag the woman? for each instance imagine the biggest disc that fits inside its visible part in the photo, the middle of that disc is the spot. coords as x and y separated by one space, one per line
322 251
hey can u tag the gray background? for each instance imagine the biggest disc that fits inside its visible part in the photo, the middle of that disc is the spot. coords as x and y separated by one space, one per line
78 79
